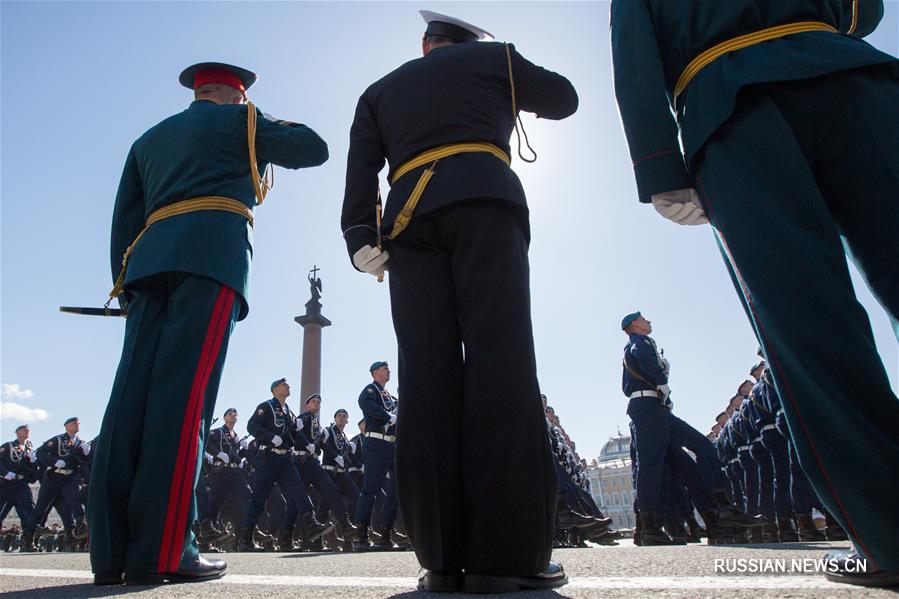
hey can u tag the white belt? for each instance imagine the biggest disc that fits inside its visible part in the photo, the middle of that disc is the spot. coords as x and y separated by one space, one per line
388 438
768 427
734 460
335 469
757 439
354 469
743 448
224 465
275 450
644 394
64 471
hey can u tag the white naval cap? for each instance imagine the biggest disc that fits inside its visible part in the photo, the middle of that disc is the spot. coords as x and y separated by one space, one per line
453 28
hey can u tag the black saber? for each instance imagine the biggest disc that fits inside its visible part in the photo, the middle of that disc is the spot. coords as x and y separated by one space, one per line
94 311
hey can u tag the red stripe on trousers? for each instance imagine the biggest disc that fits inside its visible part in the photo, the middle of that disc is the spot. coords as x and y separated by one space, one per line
783 378
173 537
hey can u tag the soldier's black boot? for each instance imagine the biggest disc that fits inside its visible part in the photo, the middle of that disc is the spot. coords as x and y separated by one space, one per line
246 542
386 543
345 528
696 531
209 533
67 543
785 530
312 528
28 542
652 531
285 540
729 515
717 534
361 542
833 530
807 530
80 529
676 530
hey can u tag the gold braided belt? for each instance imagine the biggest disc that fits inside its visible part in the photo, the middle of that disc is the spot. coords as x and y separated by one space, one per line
434 156
261 186
740 42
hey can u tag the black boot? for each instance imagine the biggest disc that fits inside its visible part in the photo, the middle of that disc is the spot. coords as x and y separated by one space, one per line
345 528
729 515
638 529
833 530
676 530
285 540
28 542
207 532
246 542
717 534
67 543
312 528
785 530
361 543
806 528
80 529
696 531
653 533
386 542
769 533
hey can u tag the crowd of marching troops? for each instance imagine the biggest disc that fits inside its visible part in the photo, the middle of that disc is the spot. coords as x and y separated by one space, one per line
759 460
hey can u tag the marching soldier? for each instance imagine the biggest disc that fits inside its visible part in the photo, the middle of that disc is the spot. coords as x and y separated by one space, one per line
18 468
379 408
181 248
275 427
225 452
309 438
337 459
357 457
459 275
782 113
61 457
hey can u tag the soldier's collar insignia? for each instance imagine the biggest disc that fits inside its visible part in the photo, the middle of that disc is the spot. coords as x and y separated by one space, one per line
371 390
261 412
50 443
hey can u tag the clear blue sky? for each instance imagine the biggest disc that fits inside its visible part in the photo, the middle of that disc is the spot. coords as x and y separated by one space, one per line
81 81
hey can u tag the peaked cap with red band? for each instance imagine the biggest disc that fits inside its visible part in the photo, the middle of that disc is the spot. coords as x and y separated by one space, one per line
217 72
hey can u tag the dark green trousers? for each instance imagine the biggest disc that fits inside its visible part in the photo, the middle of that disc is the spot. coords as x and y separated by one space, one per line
798 165
142 492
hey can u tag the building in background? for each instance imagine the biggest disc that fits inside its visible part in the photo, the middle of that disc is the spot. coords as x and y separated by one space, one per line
611 481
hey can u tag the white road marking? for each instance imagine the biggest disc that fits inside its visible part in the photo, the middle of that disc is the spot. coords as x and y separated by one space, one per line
606 582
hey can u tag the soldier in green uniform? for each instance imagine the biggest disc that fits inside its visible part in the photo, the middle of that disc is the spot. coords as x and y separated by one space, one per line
183 222
789 138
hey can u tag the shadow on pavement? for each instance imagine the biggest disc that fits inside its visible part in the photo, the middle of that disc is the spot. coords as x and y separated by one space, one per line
73 591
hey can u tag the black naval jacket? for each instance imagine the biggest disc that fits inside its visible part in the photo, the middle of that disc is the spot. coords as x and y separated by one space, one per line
457 93
61 447
309 432
221 440
269 420
334 444
14 458
378 405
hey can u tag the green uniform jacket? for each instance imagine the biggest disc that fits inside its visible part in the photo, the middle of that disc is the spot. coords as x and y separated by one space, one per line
200 152
653 40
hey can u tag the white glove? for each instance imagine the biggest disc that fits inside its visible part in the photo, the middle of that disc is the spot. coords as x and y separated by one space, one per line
325 435
244 443
86 448
353 446
339 460
392 419
60 464
362 469
669 404
665 365
11 475
276 441
665 390
224 457
681 206
208 458
310 448
32 456
371 260
268 116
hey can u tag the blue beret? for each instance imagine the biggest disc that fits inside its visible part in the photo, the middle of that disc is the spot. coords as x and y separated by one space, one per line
21 426
230 411
627 320
341 411
314 395
377 365
71 420
276 383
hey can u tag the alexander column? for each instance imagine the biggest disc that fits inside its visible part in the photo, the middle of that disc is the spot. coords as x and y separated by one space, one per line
312 323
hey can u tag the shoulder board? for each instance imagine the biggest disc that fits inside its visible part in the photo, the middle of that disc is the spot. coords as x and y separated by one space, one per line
370 389
3 448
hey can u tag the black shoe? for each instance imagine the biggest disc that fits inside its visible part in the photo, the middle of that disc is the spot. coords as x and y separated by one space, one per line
361 543
441 582
80 529
853 568
285 541
108 578
345 528
28 542
209 533
553 576
807 529
653 535
199 571
785 530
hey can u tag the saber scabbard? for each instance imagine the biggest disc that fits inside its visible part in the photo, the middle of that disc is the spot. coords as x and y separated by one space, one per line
94 311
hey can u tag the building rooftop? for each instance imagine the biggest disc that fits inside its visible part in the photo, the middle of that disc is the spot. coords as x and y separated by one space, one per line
616 448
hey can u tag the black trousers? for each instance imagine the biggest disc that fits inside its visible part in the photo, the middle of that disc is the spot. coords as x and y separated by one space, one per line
471 430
